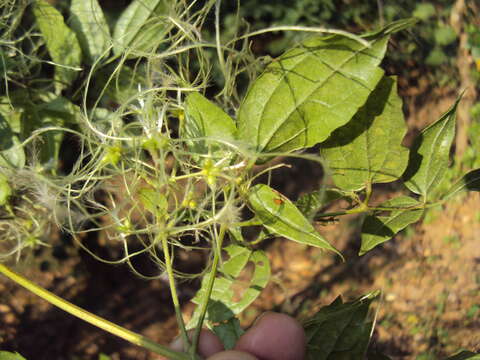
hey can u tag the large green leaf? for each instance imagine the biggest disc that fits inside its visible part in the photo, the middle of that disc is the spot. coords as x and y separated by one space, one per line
465 355
378 229
368 148
309 91
469 182
339 331
88 22
280 216
231 296
61 42
205 124
137 26
430 154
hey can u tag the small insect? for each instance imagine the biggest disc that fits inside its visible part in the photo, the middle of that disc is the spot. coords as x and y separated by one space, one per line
328 221
278 201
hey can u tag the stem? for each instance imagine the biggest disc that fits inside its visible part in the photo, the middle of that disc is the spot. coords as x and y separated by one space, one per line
173 291
93 319
208 292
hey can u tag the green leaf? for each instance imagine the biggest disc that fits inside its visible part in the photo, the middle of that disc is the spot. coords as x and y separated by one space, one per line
280 216
12 154
339 331
301 97
378 229
469 182
154 201
465 355
61 42
445 35
5 355
118 84
429 155
5 190
231 296
229 332
368 148
51 111
424 11
137 24
309 204
88 22
205 124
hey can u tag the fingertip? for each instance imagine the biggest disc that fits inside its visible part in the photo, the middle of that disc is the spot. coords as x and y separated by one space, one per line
232 355
208 344
274 336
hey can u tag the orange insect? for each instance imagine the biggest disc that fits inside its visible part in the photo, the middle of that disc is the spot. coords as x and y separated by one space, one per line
278 201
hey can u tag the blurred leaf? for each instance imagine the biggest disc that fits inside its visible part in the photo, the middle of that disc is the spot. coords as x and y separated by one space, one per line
424 11
118 84
469 182
11 154
300 98
231 296
280 216
5 355
5 190
49 110
436 57
378 229
429 155
104 357
61 42
135 28
309 204
444 35
368 148
229 332
465 355
92 30
204 119
339 331
154 201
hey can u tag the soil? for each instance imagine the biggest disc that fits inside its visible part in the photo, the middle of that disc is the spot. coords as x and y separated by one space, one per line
428 275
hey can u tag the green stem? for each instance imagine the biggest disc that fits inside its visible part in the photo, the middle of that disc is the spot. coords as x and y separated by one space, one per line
93 319
173 291
208 292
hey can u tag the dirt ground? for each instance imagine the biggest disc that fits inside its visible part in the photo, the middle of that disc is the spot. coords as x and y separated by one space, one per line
429 277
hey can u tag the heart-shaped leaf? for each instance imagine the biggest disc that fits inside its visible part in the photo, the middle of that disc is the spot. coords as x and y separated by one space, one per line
368 148
309 91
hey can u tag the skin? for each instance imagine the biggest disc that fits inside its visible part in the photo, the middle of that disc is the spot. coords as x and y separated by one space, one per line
273 336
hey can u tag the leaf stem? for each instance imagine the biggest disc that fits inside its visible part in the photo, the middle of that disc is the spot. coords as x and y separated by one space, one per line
173 291
208 292
93 319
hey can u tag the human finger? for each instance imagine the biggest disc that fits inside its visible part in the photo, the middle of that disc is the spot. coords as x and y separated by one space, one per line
208 343
274 336
232 355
